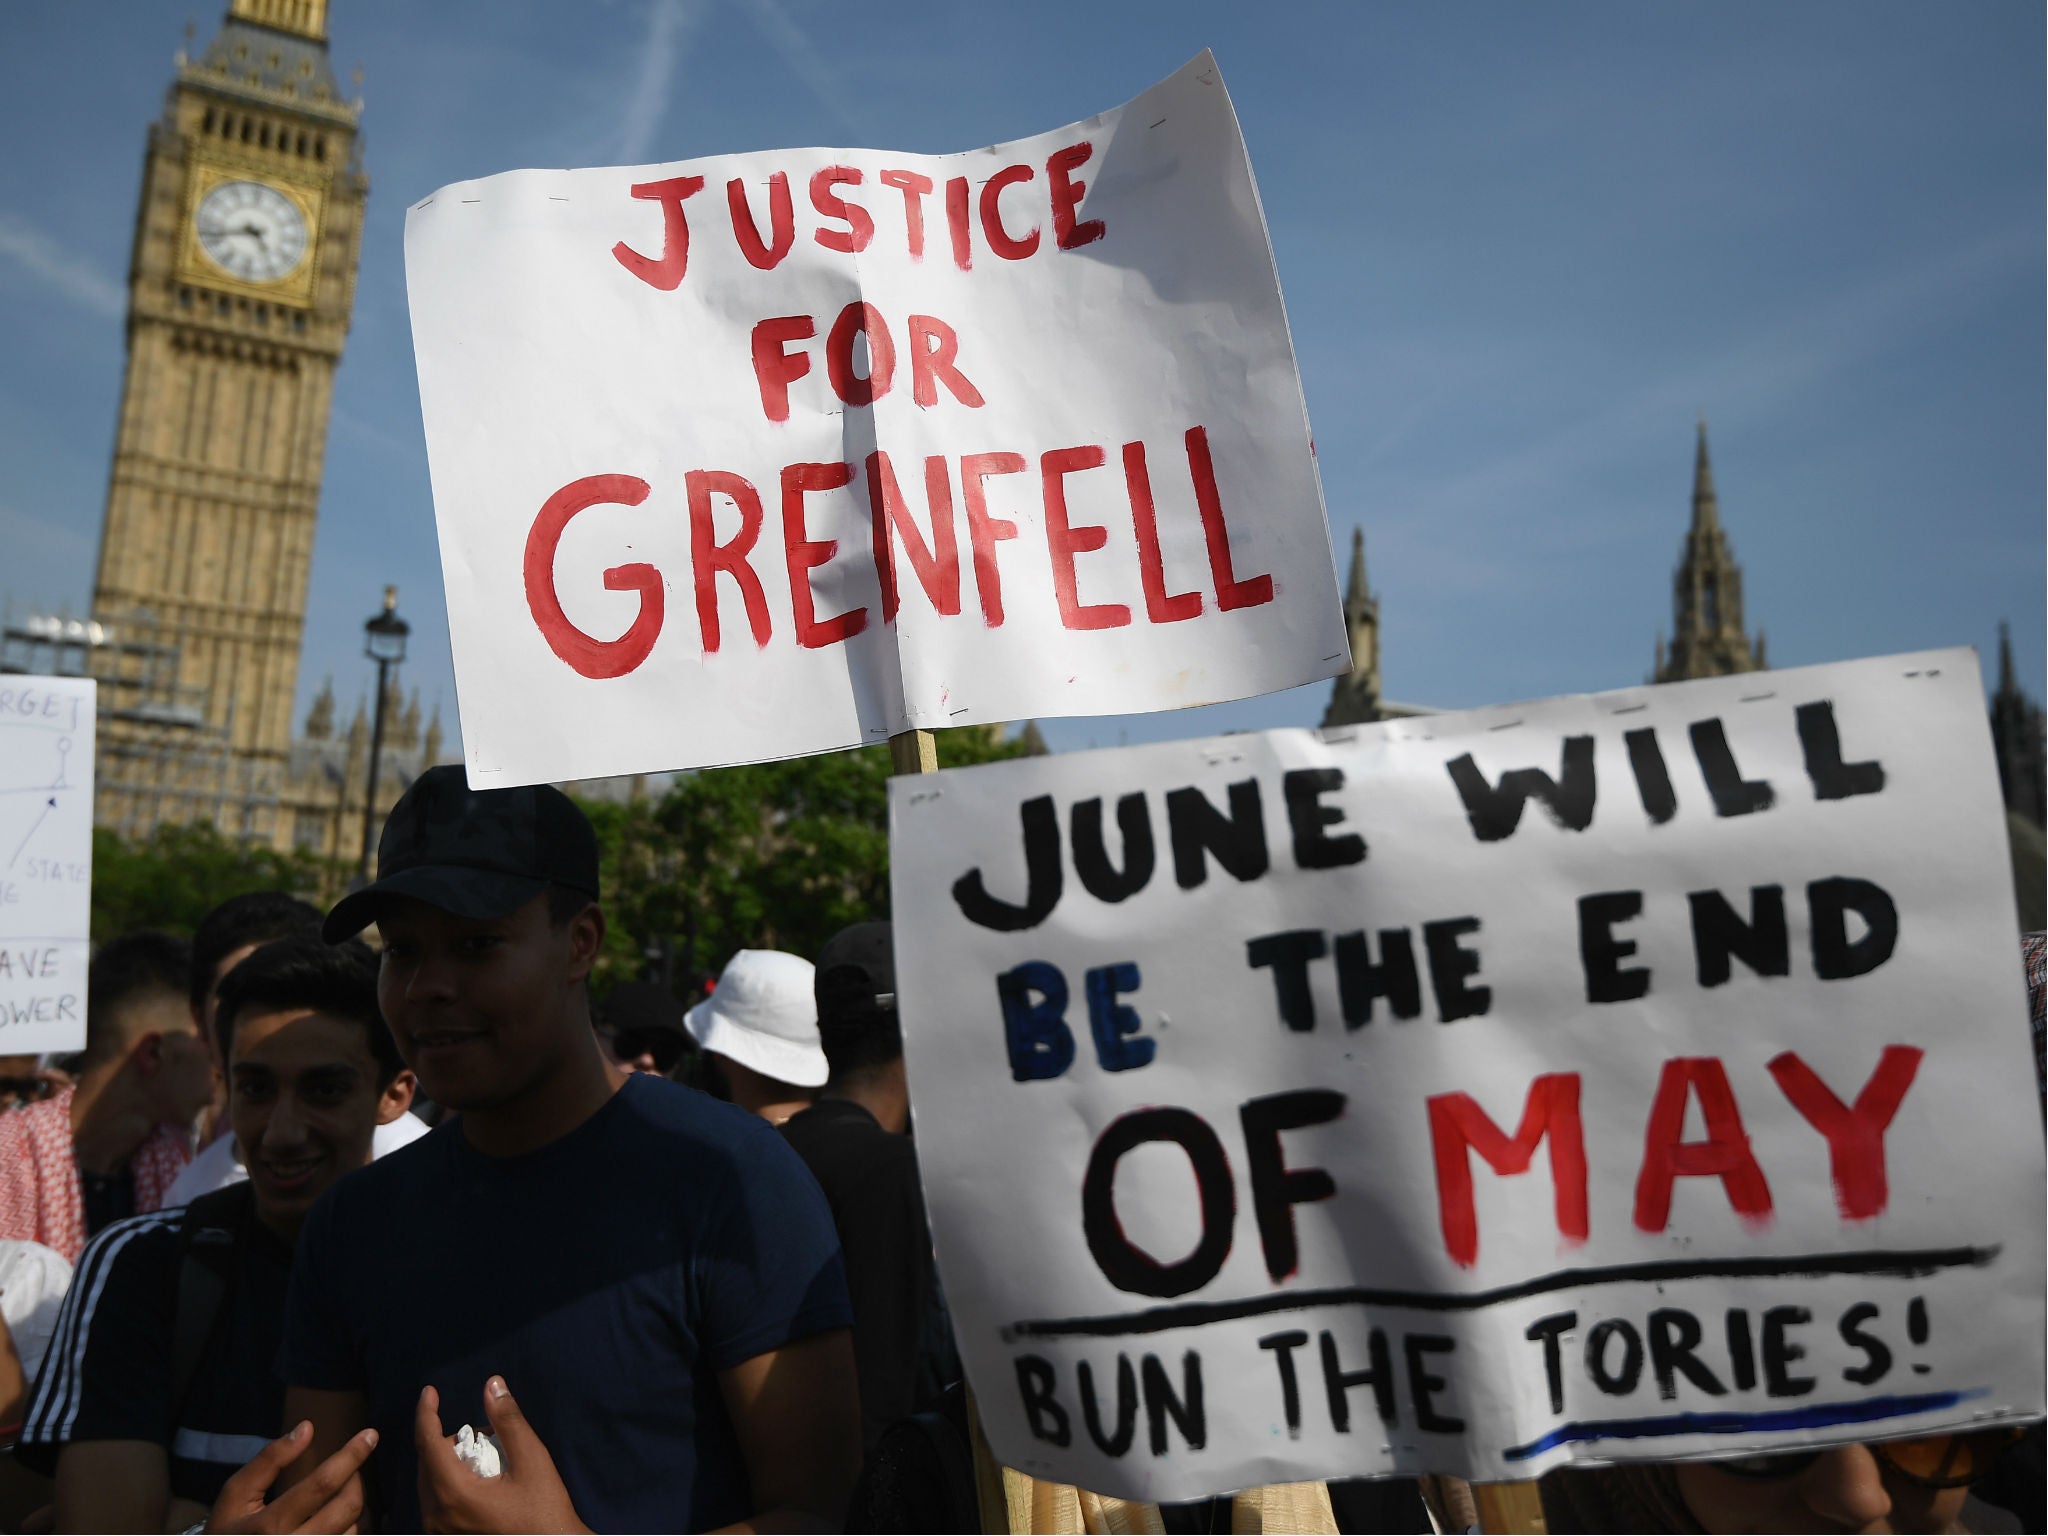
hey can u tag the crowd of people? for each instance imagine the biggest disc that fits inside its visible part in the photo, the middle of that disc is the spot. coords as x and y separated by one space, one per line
313 1237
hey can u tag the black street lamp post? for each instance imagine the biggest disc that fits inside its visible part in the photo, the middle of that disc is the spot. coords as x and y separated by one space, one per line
384 643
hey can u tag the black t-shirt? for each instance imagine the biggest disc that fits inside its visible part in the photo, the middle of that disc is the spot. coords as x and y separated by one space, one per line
108 1372
608 1277
870 1180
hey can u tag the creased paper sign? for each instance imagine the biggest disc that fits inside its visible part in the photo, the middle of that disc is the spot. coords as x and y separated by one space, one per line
46 745
1640 1075
767 454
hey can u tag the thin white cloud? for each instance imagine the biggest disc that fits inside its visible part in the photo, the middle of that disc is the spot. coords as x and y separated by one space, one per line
68 275
1764 367
370 432
788 39
669 25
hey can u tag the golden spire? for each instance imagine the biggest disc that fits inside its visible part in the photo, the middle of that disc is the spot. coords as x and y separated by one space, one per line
359 735
1707 638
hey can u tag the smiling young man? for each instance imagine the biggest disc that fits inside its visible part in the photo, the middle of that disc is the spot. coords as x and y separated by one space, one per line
653 1273
160 1381
225 937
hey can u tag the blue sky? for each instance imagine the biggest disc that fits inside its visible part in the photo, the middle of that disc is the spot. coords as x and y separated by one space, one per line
1522 246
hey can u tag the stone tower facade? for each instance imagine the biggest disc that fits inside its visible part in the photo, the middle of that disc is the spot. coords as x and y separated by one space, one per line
1707 636
239 294
1356 699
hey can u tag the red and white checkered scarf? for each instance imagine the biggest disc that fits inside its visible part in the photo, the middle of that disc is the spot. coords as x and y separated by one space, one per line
41 1198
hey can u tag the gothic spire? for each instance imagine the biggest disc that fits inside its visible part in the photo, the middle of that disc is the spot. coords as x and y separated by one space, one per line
1356 698
320 719
1355 588
1706 512
2017 737
1707 636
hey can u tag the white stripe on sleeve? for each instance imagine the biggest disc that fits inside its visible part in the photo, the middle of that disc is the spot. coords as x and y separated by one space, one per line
231 1451
58 1391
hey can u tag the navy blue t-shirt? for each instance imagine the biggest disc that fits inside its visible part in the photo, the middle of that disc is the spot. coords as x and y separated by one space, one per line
607 1277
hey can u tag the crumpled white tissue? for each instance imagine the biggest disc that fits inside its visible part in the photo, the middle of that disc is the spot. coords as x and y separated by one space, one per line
480 1453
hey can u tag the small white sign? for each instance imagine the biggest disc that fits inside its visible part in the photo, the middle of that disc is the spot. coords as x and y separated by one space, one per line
46 747
1641 1075
767 454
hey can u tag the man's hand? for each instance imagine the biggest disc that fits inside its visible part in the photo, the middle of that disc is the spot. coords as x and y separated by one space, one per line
330 1499
527 1496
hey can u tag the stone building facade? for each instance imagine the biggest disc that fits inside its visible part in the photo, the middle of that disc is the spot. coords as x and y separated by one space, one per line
328 776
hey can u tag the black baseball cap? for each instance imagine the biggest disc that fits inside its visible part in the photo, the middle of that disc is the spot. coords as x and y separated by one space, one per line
477 853
856 971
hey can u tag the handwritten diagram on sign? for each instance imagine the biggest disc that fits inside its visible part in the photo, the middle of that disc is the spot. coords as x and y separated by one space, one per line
767 454
46 742
1638 1075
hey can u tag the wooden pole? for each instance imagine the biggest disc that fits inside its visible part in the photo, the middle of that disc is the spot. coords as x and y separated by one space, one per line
1509 1507
914 752
989 1494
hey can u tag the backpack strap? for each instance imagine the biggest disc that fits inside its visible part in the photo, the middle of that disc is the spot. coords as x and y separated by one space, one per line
208 1242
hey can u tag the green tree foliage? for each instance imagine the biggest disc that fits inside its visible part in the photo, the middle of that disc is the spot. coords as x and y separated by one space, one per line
763 856
173 878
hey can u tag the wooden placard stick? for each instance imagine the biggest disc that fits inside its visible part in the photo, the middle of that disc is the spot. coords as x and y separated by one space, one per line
990 1496
1509 1506
916 752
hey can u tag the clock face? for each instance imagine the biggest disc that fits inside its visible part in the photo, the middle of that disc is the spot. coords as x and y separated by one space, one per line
252 231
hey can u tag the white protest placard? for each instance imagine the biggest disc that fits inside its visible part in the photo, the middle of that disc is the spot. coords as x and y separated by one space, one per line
759 455
46 745
1631 1076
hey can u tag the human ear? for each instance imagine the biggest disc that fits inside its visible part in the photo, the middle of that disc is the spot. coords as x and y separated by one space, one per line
586 941
396 1098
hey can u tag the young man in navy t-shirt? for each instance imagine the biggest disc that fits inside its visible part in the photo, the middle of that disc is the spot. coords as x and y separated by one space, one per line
652 1273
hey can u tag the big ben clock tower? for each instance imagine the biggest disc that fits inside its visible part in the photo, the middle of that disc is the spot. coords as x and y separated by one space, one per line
239 293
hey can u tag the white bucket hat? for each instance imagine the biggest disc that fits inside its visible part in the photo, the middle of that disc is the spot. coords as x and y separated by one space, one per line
764 1014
